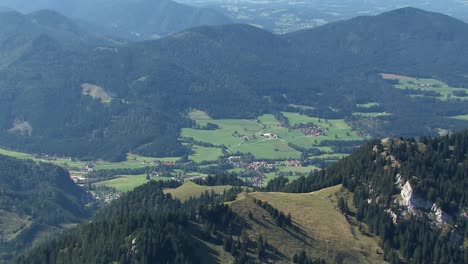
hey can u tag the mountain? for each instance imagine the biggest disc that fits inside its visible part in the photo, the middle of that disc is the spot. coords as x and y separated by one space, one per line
37 200
19 32
395 41
103 101
145 225
130 19
408 193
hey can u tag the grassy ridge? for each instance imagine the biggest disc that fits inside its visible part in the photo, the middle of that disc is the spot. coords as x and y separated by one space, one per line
324 231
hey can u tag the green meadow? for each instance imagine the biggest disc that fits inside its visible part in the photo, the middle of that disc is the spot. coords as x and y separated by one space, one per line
371 114
127 183
443 91
231 132
461 117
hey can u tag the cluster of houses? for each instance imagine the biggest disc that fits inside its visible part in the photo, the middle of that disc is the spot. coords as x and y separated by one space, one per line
293 163
257 165
258 180
311 130
163 163
87 167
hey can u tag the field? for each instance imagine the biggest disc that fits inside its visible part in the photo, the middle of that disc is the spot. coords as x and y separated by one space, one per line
64 162
324 231
461 117
428 88
232 134
368 105
371 114
133 161
205 154
191 189
127 183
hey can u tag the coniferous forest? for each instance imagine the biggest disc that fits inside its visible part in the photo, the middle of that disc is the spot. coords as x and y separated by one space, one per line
437 170
397 80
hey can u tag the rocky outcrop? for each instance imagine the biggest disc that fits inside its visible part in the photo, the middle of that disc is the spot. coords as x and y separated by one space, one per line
439 217
411 201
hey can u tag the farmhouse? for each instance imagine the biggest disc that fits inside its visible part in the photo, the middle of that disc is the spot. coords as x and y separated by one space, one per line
268 135
87 167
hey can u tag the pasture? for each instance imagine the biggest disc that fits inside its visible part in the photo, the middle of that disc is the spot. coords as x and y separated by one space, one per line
371 114
432 88
323 231
127 183
461 117
241 135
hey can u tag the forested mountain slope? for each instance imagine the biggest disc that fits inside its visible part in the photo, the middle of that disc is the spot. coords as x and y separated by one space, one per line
36 200
130 19
144 90
409 193
413 194
145 226
408 40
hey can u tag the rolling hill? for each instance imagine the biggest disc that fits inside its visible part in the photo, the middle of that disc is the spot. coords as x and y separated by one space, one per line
229 71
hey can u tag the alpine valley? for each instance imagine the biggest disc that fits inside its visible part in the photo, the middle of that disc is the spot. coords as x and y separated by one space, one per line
226 143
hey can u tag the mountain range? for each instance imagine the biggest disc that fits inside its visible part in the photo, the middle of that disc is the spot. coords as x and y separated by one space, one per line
127 19
140 92
407 194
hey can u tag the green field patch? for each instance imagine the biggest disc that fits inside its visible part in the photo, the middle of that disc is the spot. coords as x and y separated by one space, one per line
191 189
460 117
371 114
133 161
268 120
302 107
205 154
63 162
200 117
335 129
244 136
306 169
274 149
127 183
432 88
368 105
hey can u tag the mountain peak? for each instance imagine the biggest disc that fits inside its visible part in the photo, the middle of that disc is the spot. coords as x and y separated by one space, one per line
53 19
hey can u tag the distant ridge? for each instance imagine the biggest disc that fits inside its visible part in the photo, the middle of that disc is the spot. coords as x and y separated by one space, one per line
135 20
228 71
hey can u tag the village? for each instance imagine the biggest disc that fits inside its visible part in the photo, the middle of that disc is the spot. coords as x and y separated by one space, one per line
310 129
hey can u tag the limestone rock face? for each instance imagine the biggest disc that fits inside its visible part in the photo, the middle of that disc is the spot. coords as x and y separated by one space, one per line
411 201
439 217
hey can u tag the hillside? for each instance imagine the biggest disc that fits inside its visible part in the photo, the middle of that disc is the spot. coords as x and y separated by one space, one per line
391 190
128 19
230 71
324 232
37 201
202 230
402 188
